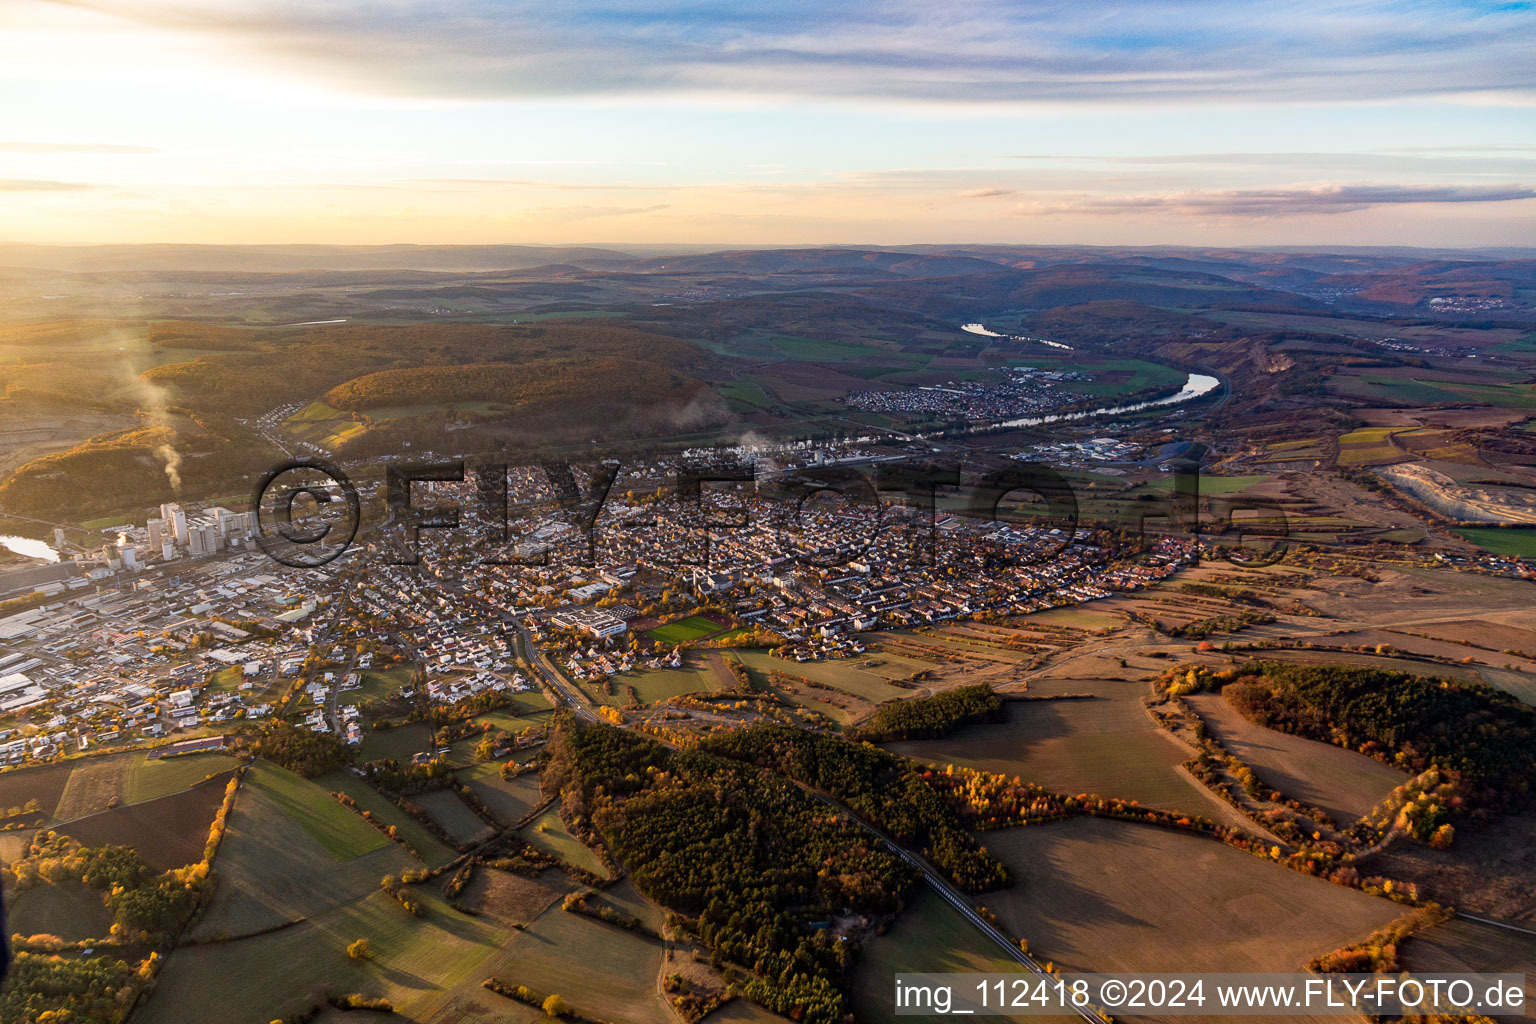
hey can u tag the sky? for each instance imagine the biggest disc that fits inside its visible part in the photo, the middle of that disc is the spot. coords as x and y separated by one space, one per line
781 122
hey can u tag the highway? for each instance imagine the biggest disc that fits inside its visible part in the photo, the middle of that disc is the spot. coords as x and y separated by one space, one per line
947 892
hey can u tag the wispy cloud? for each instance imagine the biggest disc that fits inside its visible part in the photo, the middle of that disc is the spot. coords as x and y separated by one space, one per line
99 148
987 193
970 51
38 185
1284 202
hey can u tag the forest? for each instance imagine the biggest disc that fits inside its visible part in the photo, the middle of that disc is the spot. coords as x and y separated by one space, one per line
753 861
1483 739
883 789
923 718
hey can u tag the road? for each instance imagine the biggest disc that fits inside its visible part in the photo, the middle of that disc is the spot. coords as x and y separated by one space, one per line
947 892
537 659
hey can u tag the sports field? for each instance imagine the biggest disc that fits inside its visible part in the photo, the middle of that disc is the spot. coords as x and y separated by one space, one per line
691 628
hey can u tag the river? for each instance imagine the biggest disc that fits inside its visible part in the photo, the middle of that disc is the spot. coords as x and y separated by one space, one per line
1195 385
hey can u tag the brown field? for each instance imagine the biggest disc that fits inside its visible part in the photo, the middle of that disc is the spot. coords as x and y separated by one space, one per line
1341 782
92 786
1108 745
1492 636
1098 895
45 785
167 832
1468 947
744 1011
513 899
1489 871
69 910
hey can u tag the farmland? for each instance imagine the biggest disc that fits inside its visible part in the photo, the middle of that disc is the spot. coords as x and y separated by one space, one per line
508 799
454 815
549 834
428 846
416 962
69 910
1111 896
1106 745
1340 781
558 953
928 936
274 870
168 832
336 829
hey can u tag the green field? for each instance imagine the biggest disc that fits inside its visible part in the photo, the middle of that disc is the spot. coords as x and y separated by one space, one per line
273 870
684 630
548 833
380 683
320 814
658 684
1208 484
399 743
508 799
145 779
747 393
432 850
454 815
930 936
1519 542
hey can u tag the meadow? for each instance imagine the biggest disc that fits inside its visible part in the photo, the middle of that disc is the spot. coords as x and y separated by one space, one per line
929 936
454 815
548 833
508 799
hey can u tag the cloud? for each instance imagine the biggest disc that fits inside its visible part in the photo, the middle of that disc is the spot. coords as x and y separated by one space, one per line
1285 202
574 213
102 148
986 193
969 51
36 185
